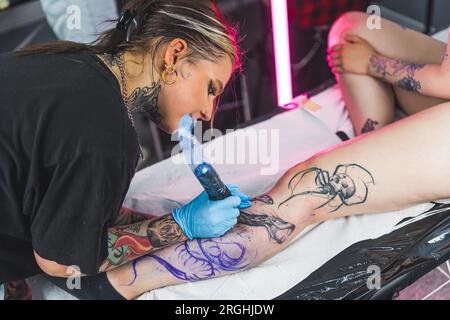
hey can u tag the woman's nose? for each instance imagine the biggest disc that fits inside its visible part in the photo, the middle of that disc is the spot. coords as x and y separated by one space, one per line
206 115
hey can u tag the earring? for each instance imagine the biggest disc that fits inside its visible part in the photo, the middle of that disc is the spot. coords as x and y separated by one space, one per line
170 70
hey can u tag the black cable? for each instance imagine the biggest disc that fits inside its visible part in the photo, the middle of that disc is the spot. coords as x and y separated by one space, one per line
429 16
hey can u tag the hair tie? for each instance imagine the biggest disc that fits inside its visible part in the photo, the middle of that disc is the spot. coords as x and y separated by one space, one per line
127 23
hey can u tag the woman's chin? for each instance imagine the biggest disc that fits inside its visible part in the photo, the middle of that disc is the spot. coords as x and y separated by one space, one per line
167 128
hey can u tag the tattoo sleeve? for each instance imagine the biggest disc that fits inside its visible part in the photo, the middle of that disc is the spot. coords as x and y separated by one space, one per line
396 72
127 243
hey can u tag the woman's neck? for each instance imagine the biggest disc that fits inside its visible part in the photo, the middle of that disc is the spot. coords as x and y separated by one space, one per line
142 81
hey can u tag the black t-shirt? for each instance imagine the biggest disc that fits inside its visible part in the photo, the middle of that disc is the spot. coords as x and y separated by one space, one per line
68 153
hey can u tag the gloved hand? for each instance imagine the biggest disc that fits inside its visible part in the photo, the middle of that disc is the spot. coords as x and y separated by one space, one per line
203 218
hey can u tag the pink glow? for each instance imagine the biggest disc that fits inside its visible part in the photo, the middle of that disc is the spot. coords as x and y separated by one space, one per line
282 50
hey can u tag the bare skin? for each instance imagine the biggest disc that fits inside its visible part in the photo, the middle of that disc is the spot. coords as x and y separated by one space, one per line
370 174
414 70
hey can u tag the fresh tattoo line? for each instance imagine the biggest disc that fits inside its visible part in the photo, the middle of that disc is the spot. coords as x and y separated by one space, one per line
126 243
264 199
201 259
277 229
207 258
348 185
399 73
369 126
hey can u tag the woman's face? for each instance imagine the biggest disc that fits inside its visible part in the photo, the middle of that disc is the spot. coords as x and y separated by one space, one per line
195 92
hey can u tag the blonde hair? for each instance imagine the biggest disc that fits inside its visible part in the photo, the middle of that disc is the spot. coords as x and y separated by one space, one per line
217 31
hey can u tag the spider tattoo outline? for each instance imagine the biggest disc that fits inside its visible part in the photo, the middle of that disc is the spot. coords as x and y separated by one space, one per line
348 182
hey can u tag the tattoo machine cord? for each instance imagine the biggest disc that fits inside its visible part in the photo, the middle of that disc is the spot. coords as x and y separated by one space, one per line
203 171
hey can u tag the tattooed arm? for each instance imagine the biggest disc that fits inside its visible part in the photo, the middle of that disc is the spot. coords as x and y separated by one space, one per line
126 243
426 79
358 56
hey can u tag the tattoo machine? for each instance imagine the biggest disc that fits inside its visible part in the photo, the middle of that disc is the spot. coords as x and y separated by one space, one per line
193 153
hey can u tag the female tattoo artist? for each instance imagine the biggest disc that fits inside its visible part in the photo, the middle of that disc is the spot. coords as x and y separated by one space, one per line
379 68
68 149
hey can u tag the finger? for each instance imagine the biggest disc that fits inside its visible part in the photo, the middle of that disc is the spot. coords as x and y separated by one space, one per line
232 186
233 222
235 213
234 191
336 63
339 70
203 196
230 202
243 197
333 56
229 214
352 38
335 48
336 56
245 205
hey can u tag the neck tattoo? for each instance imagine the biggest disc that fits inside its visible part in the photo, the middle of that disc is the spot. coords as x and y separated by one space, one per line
142 99
145 100
118 61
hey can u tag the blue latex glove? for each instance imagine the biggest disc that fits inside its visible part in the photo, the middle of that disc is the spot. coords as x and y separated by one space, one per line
245 200
203 218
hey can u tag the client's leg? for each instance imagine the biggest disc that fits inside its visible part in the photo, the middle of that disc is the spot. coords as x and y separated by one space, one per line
398 166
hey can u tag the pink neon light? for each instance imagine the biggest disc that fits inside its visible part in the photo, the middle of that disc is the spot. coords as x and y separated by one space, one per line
280 26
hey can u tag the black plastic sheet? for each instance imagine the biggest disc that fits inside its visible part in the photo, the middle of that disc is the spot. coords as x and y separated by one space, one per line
402 257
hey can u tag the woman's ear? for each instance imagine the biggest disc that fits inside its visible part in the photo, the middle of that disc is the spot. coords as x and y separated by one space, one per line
176 50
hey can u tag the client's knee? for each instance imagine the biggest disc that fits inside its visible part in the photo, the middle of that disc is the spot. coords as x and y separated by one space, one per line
354 22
